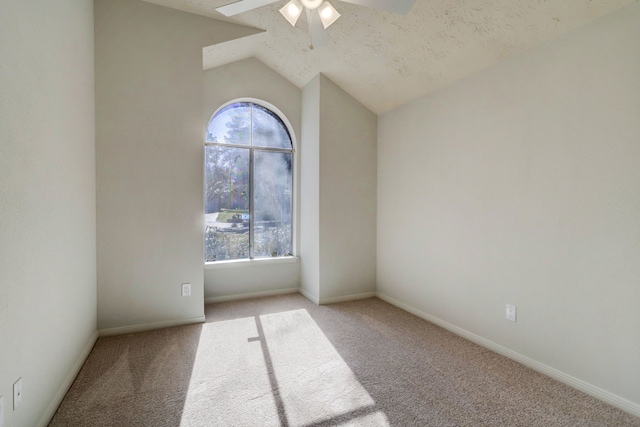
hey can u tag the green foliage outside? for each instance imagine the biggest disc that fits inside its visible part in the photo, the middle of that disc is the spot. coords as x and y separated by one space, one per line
224 245
220 245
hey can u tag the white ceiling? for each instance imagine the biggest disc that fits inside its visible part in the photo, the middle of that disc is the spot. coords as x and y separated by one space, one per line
385 60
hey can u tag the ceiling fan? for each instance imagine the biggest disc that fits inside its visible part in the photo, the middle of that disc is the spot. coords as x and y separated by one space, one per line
320 13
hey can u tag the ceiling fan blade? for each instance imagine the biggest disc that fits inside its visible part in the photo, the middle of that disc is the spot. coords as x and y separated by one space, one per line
242 6
319 36
396 6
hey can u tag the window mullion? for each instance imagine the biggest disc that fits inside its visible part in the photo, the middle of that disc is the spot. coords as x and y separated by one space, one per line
252 196
225 144
251 207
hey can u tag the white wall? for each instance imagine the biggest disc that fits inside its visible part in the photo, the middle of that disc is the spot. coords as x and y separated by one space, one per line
47 201
253 278
347 194
251 78
338 194
310 191
149 160
520 185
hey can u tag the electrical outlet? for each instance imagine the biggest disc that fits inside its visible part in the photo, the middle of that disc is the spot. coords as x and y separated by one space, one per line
511 313
186 289
17 393
1 411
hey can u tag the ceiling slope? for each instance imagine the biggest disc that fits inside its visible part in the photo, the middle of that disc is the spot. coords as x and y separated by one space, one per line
385 60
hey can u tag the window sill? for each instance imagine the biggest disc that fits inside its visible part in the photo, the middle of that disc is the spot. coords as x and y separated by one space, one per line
257 262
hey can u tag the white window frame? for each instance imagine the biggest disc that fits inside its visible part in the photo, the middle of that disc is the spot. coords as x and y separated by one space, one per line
294 185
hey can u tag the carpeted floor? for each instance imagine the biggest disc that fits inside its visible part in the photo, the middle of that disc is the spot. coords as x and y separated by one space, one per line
283 361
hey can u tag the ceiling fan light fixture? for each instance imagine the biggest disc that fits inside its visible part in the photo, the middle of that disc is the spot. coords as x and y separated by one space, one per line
292 11
311 4
328 14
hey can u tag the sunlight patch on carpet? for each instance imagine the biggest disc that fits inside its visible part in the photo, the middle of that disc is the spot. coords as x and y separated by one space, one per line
229 383
314 381
274 370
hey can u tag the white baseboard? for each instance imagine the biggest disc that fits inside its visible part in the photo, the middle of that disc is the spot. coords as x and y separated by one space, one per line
68 380
345 298
590 389
149 326
251 295
313 298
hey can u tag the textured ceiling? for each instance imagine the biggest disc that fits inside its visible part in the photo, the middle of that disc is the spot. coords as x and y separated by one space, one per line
385 60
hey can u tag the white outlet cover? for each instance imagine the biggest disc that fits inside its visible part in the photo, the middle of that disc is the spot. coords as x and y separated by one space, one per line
1 411
17 393
511 313
186 289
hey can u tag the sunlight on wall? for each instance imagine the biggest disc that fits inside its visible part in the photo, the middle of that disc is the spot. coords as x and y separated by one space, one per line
276 369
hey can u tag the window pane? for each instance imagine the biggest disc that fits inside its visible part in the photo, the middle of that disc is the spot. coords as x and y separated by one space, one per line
231 125
272 204
226 203
269 130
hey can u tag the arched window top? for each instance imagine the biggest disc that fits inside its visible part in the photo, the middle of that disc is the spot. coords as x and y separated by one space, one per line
248 124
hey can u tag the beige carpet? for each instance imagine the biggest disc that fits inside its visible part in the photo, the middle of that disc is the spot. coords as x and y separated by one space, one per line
283 361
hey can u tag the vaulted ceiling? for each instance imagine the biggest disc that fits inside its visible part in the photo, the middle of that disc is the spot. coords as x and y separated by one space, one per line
385 60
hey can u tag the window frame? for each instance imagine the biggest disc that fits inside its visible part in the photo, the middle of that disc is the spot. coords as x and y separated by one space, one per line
294 188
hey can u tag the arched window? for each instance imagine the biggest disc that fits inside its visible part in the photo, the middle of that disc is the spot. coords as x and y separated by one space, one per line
248 184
